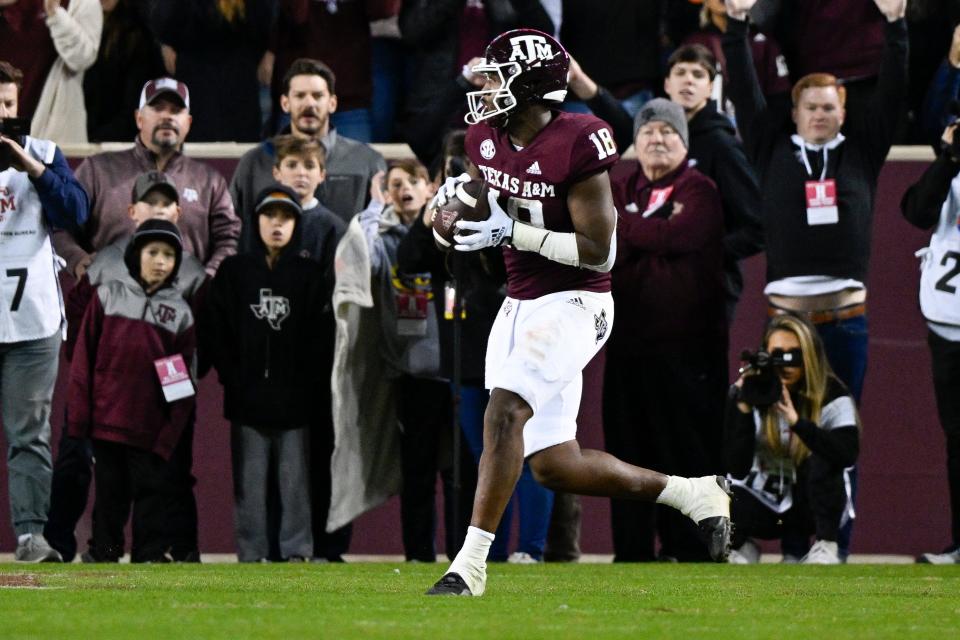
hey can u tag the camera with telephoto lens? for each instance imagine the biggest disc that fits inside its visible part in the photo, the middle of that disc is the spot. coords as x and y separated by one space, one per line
15 129
762 387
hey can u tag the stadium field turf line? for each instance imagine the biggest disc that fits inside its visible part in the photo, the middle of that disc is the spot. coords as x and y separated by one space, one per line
370 600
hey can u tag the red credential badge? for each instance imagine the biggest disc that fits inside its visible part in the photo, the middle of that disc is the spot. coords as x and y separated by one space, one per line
174 378
822 202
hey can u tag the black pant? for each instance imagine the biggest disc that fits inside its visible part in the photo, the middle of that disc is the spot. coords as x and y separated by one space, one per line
126 475
72 473
328 546
425 410
946 386
819 497
663 411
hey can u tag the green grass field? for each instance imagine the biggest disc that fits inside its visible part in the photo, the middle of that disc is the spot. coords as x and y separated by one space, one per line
542 601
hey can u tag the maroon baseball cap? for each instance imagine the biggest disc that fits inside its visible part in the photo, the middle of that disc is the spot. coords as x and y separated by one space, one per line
163 86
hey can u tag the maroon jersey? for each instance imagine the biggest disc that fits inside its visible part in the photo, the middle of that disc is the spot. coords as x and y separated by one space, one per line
533 184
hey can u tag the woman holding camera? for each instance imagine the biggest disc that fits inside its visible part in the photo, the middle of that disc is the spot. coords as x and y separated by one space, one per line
787 458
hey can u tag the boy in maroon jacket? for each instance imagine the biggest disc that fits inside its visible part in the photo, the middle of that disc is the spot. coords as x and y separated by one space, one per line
137 334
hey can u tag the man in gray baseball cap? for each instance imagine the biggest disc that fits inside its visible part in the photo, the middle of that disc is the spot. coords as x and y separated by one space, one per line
670 330
663 110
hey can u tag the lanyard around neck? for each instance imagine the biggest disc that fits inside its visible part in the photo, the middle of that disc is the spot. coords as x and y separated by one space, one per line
806 162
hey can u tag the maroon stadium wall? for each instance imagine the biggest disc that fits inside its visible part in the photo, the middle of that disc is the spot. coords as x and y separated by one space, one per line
903 504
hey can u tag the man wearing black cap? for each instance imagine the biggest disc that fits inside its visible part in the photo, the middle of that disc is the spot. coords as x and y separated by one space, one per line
131 392
154 197
209 225
666 376
263 330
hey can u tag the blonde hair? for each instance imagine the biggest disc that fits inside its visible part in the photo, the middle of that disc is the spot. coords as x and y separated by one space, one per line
811 390
232 10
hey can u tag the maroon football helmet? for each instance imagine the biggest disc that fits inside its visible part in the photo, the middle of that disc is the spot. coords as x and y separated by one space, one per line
525 66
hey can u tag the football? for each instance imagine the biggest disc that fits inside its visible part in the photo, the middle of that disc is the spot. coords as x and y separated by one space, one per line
468 203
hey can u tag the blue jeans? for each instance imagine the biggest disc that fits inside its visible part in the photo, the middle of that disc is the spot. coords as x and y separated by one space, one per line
28 372
846 344
535 501
393 71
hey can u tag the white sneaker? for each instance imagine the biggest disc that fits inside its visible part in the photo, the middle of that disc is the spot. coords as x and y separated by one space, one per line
822 552
947 557
748 553
522 557
35 548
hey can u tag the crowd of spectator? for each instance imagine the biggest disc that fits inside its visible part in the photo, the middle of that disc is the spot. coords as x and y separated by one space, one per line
311 284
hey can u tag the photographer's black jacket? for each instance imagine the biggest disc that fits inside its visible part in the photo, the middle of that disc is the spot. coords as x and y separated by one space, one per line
837 443
794 248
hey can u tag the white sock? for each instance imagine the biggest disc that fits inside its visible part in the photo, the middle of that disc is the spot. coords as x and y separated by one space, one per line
676 493
23 537
696 498
471 563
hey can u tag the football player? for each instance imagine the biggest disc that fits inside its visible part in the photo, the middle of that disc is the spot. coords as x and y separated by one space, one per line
551 209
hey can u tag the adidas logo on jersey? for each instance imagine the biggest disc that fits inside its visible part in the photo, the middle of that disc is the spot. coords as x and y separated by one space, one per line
577 302
534 168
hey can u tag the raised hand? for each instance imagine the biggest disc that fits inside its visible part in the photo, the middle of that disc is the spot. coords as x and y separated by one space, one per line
21 160
954 54
378 188
738 9
892 9
475 79
580 83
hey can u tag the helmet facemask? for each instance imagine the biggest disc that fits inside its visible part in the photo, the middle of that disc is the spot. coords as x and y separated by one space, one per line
502 97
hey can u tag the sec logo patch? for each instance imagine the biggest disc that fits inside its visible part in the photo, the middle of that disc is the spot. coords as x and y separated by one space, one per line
487 149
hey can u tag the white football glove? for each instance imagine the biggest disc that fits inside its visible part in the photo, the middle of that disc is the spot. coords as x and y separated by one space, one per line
447 189
492 232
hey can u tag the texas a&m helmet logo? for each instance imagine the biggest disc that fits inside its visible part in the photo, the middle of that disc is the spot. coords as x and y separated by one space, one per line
531 49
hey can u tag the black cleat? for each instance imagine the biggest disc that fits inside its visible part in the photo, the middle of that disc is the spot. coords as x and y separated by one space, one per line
450 585
716 531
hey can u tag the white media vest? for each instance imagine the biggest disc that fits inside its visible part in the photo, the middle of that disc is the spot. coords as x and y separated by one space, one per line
31 304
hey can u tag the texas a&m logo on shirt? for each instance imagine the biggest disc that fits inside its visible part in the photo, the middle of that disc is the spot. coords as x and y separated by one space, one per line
273 309
8 201
166 314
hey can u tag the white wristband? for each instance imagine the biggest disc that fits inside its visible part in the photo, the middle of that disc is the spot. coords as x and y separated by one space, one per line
559 247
